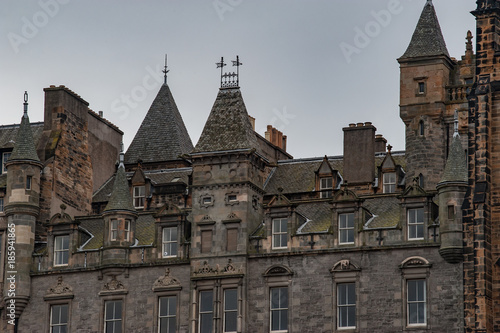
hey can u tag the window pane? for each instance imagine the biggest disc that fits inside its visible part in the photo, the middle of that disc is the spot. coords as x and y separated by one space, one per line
230 310
230 321
230 299
206 323
279 309
206 300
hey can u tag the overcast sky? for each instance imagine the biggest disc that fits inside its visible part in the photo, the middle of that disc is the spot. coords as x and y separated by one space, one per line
309 67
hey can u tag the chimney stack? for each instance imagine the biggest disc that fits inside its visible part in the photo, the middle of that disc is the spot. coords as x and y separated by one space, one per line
276 137
380 143
359 153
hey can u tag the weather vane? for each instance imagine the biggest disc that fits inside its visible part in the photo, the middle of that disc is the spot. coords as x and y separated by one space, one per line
229 80
165 71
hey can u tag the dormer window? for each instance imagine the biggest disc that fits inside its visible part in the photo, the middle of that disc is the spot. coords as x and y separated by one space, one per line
325 186
61 250
389 179
139 196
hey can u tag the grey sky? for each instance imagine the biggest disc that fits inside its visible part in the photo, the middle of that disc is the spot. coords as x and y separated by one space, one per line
294 74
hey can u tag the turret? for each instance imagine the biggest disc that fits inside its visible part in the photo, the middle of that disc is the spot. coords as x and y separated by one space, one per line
451 193
22 210
425 72
119 220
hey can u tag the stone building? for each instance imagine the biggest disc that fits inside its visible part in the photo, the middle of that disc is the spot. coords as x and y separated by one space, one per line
235 235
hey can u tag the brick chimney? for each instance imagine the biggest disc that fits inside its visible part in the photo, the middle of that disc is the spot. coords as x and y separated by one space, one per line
359 153
380 144
275 137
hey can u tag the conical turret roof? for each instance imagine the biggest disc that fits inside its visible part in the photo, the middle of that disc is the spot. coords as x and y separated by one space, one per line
228 126
120 196
427 40
456 165
162 135
24 147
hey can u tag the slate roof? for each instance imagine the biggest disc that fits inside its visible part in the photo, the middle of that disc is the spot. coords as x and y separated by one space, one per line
385 211
8 133
296 176
427 40
162 135
318 215
24 146
144 233
120 195
227 126
456 165
157 177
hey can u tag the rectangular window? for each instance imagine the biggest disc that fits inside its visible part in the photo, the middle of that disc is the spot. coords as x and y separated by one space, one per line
5 158
416 223
230 310
59 318
113 316
113 229
451 212
279 309
206 311
206 200
169 242
206 241
126 230
346 228
167 314
280 233
416 296
61 250
1 205
421 87
346 305
29 180
389 182
325 186
232 239
139 195
232 198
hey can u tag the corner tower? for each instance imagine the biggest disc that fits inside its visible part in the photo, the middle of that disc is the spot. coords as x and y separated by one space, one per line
22 211
425 70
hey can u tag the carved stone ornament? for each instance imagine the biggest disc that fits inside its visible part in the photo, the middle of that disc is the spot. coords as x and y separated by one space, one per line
60 289
344 265
166 281
114 286
206 269
415 262
278 271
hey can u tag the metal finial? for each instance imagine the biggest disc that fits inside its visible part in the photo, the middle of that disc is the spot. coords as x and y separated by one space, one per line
429 2
237 63
122 156
229 80
221 65
455 133
165 71
25 104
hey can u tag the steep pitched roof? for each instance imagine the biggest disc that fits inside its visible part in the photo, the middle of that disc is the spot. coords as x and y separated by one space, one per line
9 132
427 40
162 135
227 126
24 146
120 197
456 165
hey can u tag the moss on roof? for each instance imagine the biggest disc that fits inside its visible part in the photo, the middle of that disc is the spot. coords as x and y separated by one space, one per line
318 215
385 210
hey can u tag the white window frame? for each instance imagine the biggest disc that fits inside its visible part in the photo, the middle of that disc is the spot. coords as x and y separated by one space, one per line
210 312
169 242
414 224
324 187
114 320
276 308
56 327
230 311
345 228
344 305
59 251
170 315
126 230
277 233
5 157
389 182
113 229
418 301
139 196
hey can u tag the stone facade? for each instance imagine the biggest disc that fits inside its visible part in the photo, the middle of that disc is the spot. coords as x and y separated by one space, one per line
235 235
